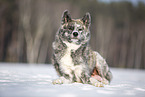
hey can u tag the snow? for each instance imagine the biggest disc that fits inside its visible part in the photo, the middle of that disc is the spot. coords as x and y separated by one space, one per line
25 80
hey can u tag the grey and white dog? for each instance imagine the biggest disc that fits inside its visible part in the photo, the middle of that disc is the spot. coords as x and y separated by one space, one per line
73 58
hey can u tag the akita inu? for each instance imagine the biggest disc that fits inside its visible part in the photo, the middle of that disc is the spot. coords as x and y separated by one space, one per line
73 58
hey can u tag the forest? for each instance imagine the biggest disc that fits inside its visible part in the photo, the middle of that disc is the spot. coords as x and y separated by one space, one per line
28 28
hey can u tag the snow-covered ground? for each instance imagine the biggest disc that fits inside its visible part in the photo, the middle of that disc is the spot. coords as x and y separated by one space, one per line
23 80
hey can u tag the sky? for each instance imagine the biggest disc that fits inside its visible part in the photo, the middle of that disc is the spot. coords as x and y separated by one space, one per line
134 2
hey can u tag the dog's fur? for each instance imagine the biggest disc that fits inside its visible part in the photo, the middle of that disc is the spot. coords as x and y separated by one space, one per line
73 58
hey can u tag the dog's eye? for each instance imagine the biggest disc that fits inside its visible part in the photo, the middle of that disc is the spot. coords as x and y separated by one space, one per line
80 29
70 27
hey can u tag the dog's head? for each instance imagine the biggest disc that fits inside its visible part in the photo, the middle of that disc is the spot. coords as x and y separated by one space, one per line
75 30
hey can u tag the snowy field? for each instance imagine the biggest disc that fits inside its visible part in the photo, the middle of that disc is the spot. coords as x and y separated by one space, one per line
23 80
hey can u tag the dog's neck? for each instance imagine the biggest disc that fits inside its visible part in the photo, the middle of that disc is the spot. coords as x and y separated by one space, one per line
71 46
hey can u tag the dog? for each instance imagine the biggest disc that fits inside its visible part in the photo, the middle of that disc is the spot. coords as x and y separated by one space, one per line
73 58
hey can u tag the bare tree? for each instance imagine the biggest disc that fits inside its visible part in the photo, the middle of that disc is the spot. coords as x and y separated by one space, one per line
34 23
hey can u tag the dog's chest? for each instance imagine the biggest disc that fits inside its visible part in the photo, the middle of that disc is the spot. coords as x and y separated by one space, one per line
66 60
67 64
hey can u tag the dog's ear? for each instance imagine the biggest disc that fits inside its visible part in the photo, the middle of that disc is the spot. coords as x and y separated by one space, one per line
66 17
87 20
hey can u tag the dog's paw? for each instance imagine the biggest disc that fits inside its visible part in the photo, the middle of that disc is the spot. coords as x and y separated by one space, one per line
57 81
105 82
96 83
61 80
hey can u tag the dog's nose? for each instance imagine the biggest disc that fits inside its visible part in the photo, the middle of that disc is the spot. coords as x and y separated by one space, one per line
75 34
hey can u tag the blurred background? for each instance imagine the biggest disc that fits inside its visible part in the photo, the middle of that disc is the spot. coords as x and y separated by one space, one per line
28 28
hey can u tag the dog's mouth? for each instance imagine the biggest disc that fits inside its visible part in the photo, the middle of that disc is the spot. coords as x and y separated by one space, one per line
74 40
